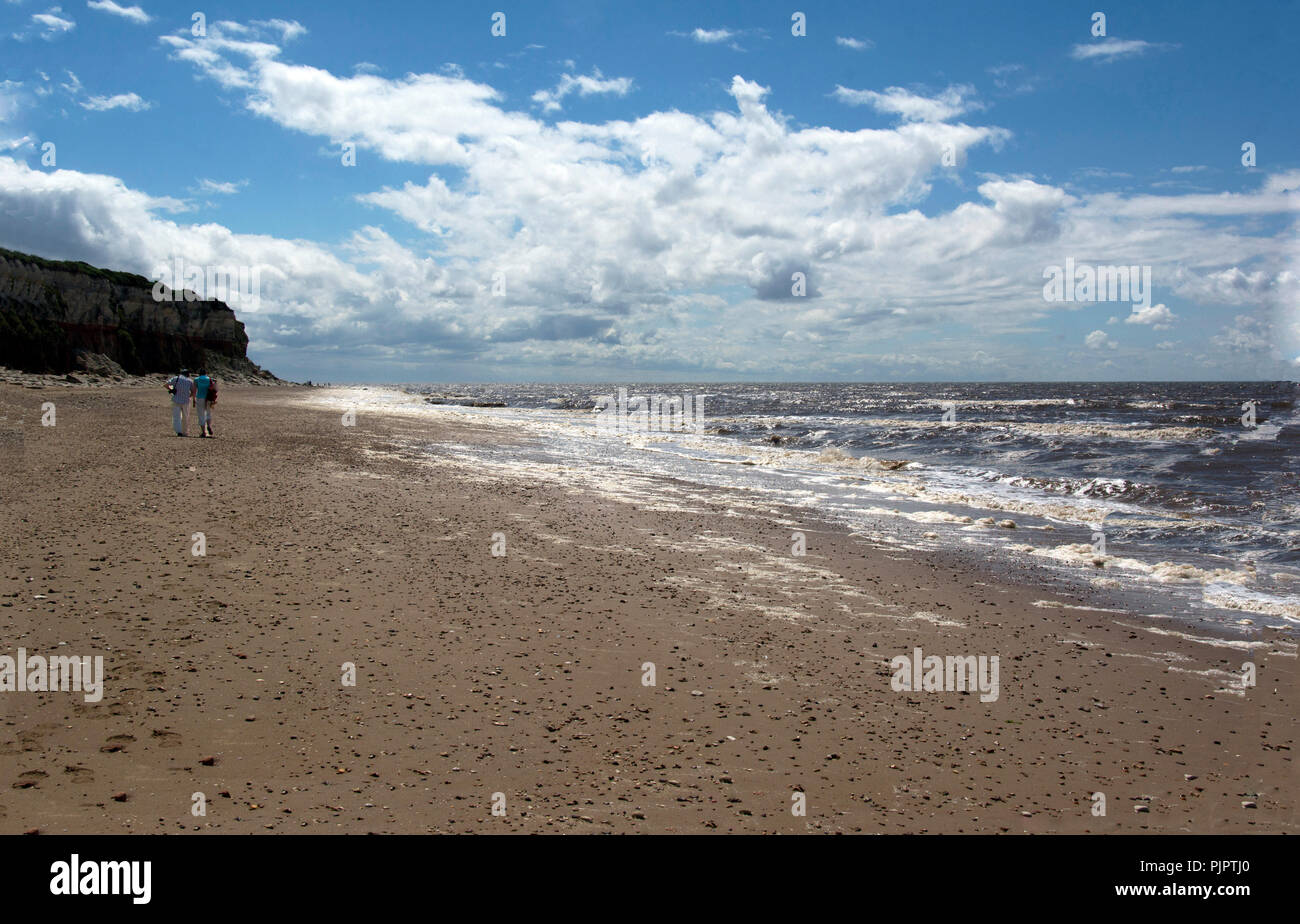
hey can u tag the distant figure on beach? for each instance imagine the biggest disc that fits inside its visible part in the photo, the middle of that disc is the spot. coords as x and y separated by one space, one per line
205 396
182 391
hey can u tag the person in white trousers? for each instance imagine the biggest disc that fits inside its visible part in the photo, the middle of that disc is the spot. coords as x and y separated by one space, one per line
182 389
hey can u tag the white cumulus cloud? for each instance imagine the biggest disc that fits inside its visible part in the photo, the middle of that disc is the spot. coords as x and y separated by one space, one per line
133 13
583 85
913 107
712 36
128 101
1098 340
1111 49
48 25
1158 317
215 187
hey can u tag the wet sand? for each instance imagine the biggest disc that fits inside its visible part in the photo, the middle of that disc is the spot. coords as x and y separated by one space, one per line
522 674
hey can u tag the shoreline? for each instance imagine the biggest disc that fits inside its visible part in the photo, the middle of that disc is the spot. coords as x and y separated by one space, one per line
522 674
911 506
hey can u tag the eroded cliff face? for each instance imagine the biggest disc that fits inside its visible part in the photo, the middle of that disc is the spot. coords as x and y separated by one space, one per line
59 317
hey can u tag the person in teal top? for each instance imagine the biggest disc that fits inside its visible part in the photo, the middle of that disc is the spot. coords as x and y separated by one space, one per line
203 388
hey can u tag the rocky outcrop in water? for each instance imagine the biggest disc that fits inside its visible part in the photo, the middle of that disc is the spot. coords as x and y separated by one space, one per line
61 317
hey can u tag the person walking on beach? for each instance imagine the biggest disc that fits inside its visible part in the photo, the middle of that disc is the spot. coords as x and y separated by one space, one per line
205 395
182 391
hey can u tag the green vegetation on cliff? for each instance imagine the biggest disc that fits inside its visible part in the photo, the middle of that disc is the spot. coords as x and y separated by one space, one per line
76 266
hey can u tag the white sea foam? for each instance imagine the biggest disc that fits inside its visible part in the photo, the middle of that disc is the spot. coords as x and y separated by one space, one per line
636 468
1112 431
1164 571
1233 596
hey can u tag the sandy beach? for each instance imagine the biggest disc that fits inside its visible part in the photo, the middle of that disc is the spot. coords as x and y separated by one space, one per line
517 680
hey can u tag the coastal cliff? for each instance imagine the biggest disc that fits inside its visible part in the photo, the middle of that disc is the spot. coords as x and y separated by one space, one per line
63 317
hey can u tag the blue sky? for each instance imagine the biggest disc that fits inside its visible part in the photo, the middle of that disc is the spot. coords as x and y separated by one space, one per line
610 192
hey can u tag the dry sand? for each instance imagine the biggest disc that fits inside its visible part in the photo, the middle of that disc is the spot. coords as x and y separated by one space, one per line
522 674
